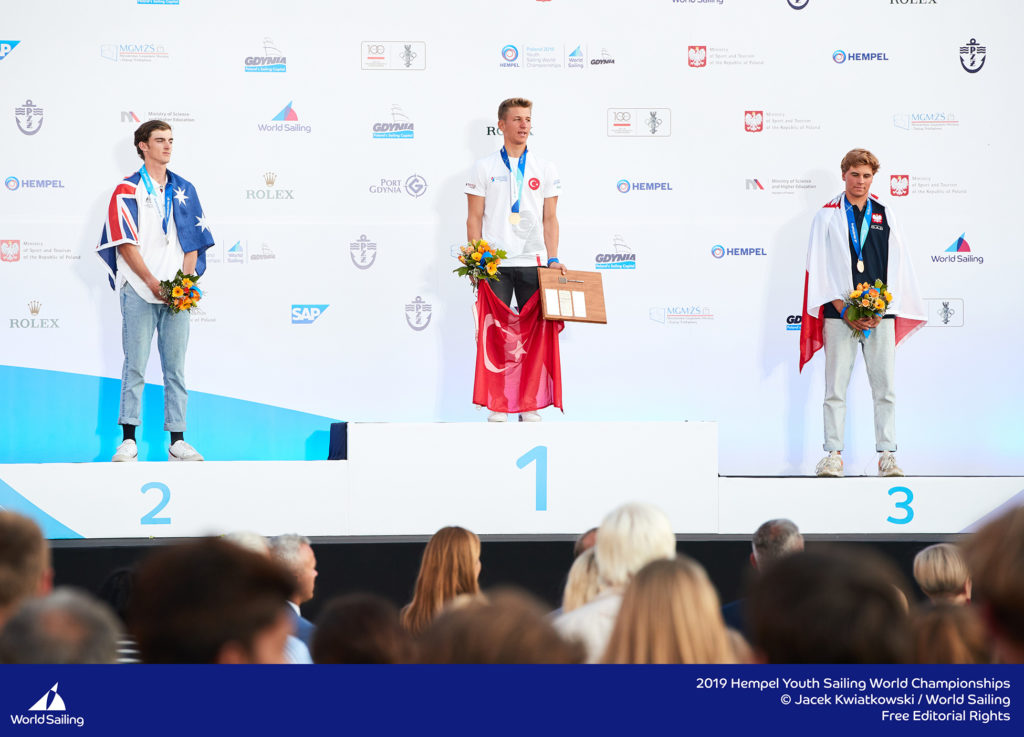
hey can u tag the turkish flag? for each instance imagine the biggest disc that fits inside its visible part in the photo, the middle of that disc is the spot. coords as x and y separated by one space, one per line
518 368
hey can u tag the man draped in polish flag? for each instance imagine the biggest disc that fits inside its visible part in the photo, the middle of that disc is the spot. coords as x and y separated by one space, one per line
154 227
853 240
512 195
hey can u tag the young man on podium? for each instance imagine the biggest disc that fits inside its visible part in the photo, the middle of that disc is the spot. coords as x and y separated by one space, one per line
854 239
512 195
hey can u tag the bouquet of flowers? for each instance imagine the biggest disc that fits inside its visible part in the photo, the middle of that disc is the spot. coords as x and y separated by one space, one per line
867 300
181 292
479 261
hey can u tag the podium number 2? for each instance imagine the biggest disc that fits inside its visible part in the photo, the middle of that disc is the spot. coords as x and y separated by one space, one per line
150 518
904 505
539 454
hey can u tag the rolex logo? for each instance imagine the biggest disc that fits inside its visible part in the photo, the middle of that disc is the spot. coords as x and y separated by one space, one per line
270 177
34 306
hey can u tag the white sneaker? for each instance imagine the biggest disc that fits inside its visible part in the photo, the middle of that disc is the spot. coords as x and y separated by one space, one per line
182 451
497 417
830 466
887 464
127 451
530 417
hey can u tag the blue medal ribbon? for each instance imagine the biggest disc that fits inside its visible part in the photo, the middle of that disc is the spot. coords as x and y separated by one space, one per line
520 175
151 188
851 219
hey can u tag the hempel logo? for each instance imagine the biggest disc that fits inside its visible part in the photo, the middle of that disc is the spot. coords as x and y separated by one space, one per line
50 701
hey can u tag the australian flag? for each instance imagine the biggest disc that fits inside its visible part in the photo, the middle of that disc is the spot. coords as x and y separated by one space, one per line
122 222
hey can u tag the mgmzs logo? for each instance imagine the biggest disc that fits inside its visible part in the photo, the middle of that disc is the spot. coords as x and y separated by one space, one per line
286 121
959 253
972 57
7 47
270 192
686 315
140 52
418 314
363 252
398 127
307 314
273 59
621 257
925 121
49 703
29 118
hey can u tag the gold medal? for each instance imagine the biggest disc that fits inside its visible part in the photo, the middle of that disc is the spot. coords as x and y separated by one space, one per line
860 266
514 219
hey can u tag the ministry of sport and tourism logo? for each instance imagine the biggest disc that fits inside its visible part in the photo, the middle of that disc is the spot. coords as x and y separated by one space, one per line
972 56
959 252
307 314
286 121
400 126
49 709
272 60
10 250
363 252
620 257
418 314
29 118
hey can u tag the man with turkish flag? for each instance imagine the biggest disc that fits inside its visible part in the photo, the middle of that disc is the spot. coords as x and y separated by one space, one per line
512 195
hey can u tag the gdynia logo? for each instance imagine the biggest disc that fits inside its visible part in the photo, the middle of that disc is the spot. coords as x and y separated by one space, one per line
622 256
286 121
48 702
959 253
273 59
307 314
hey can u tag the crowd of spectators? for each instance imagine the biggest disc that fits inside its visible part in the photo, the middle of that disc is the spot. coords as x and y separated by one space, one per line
629 598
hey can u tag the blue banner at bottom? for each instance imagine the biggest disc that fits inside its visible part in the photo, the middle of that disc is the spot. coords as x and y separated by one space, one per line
175 700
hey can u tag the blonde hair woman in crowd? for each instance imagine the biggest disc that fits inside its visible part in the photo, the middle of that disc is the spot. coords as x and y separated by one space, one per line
670 614
941 572
449 570
581 586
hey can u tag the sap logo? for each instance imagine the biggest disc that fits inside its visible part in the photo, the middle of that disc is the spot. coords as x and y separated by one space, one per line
7 47
307 314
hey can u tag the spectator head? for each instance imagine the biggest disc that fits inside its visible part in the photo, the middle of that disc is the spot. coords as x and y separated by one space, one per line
361 629
581 587
941 572
253 541
66 627
450 568
670 614
210 601
116 591
24 562
629 538
296 554
508 627
775 539
995 556
945 633
584 542
834 605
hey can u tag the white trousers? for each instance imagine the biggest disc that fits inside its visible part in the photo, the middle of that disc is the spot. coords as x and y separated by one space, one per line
880 360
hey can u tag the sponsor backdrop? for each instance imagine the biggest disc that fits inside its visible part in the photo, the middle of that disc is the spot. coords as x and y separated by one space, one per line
329 144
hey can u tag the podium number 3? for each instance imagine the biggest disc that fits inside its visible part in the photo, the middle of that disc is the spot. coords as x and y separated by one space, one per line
150 518
539 454
904 505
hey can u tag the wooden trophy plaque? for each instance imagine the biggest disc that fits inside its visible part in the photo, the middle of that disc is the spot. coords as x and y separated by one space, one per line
576 296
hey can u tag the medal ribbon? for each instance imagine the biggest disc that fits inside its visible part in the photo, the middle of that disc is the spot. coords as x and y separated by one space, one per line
520 177
851 219
152 190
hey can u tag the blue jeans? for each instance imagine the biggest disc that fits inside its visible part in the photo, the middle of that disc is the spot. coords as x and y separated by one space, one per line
139 319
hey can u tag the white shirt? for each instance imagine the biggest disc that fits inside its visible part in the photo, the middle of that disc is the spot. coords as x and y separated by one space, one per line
161 253
491 179
592 623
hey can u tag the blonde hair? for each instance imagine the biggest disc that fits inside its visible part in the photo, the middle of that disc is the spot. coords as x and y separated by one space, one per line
448 570
629 538
581 587
670 614
859 157
513 102
941 571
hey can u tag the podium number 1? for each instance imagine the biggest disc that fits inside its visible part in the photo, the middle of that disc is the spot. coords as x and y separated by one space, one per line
539 454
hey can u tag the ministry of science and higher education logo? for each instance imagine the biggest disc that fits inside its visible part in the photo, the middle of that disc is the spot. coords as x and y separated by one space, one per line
29 118
10 251
363 252
972 56
273 59
899 185
418 314
307 314
400 126
621 257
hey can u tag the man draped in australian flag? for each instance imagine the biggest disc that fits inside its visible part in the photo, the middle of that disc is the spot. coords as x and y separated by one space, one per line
154 227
